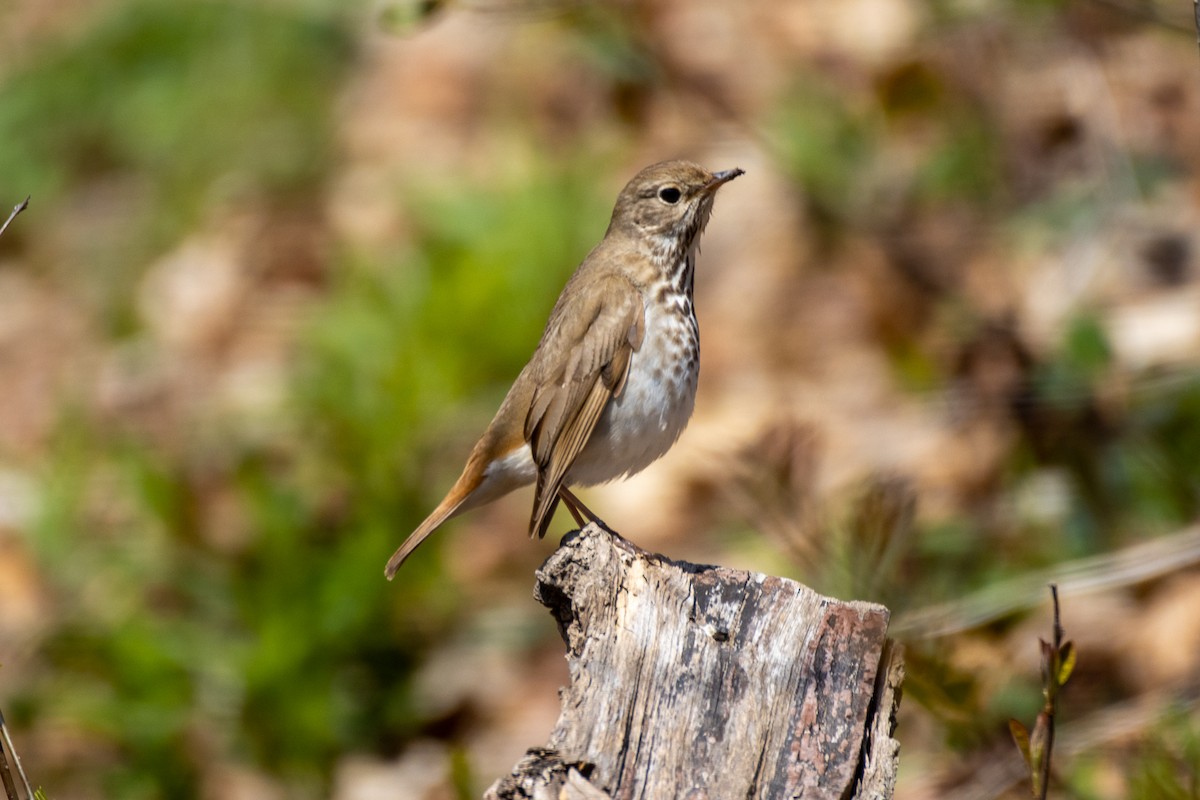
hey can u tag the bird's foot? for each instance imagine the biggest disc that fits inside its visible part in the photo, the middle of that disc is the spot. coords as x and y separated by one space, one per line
582 514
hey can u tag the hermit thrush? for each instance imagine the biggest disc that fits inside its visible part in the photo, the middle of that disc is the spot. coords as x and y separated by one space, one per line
612 383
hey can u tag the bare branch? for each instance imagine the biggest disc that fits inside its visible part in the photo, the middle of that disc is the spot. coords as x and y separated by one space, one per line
24 204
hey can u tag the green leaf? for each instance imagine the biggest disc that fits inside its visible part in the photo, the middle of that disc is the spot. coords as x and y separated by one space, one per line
1087 347
406 16
1020 735
1066 662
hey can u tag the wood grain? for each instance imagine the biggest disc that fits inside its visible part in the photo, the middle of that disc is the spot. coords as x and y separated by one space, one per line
701 682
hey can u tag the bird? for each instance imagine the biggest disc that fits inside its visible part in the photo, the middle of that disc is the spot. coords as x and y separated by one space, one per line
612 382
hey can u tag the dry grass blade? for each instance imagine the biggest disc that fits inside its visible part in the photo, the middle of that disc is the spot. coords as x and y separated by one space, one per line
10 788
773 485
6 747
1132 565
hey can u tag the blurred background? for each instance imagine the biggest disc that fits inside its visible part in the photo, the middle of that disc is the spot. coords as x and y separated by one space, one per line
284 258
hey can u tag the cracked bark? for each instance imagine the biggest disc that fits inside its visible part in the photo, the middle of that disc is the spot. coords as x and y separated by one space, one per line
708 683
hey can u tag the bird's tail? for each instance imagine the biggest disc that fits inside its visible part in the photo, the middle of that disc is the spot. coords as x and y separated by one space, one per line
445 510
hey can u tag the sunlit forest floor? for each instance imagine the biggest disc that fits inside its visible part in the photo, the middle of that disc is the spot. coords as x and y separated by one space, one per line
283 259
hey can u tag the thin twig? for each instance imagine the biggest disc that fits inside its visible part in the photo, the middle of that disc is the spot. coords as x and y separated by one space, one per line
1050 709
16 758
1196 15
1036 744
10 788
24 204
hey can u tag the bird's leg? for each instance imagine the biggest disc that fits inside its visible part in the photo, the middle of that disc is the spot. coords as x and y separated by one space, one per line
570 504
579 511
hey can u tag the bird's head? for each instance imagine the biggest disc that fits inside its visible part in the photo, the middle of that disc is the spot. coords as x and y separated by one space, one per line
669 202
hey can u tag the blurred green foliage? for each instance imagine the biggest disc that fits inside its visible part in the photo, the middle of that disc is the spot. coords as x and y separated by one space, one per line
1167 766
163 108
837 151
406 16
1164 766
828 148
182 94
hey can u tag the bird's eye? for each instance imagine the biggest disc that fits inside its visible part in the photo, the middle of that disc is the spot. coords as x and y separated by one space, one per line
669 194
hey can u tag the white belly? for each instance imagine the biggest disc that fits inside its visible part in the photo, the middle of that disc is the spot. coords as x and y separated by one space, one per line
638 427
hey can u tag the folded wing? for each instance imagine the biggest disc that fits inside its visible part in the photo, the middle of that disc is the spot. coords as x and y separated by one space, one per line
581 365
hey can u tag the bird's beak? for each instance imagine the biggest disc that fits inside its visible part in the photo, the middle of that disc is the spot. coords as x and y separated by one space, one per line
722 177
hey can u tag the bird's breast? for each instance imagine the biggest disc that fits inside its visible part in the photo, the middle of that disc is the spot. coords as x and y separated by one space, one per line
640 425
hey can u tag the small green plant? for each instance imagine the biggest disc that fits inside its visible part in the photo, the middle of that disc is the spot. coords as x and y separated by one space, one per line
1058 661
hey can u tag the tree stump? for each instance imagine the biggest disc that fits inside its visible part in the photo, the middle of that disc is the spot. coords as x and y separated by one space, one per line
707 683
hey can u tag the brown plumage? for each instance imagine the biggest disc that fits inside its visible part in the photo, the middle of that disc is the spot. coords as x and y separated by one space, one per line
612 381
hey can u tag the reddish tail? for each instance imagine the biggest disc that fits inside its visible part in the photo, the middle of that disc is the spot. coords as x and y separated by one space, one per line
445 510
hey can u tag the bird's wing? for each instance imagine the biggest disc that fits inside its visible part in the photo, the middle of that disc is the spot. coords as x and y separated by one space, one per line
581 363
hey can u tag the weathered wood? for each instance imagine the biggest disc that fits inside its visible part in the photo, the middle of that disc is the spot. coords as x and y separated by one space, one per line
709 683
